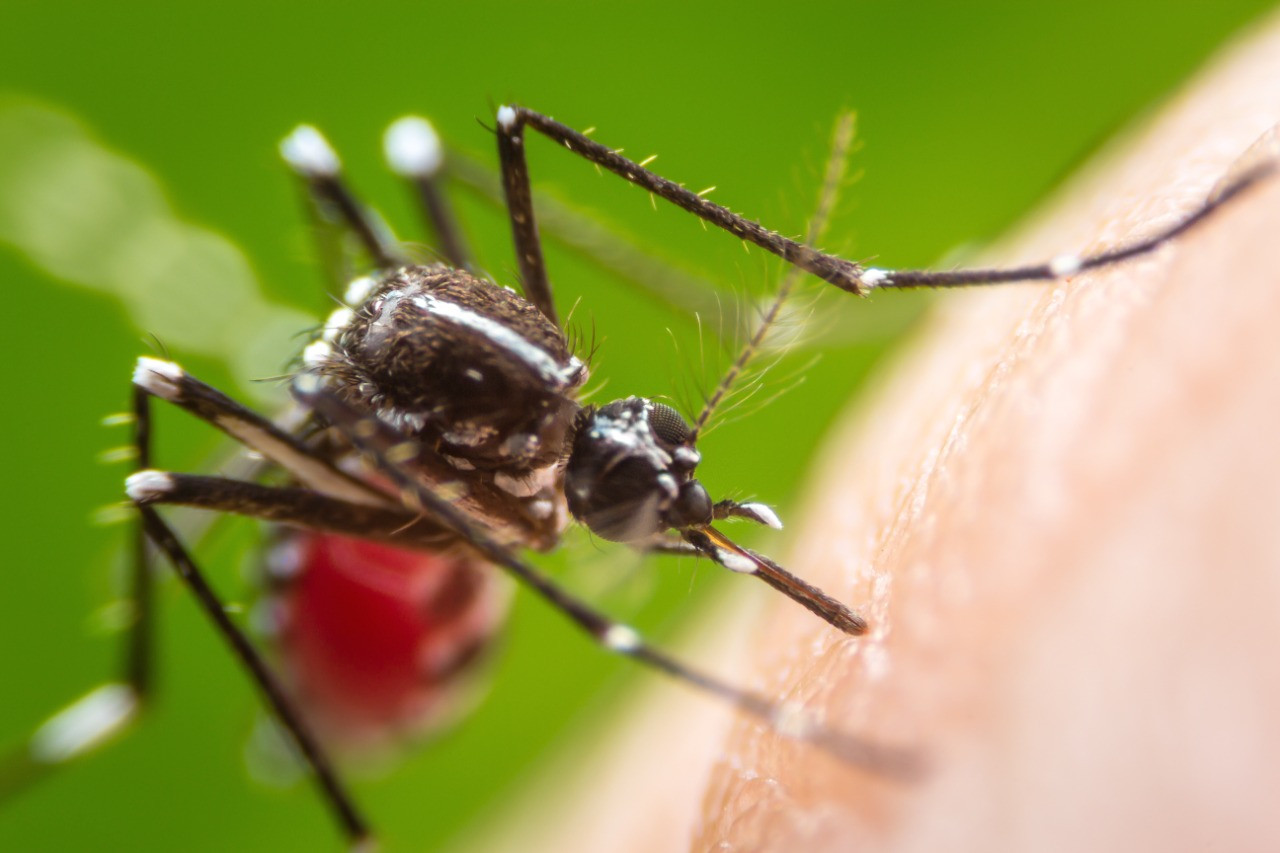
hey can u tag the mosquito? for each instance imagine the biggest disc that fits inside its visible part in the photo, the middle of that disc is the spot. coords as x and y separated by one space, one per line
439 433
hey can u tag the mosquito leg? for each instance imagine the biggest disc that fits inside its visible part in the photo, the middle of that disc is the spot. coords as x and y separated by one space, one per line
1068 264
110 708
611 251
138 655
415 153
311 157
844 274
512 121
169 382
157 532
377 442
289 506
334 792
524 226
90 721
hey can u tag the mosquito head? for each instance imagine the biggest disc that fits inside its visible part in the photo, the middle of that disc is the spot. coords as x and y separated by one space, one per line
630 472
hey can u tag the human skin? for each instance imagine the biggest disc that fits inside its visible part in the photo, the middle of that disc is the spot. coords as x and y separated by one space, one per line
1060 514
1061 517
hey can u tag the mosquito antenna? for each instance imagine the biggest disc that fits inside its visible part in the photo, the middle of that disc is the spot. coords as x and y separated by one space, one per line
837 167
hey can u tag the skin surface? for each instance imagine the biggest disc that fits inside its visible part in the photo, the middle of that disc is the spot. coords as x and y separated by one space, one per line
1061 516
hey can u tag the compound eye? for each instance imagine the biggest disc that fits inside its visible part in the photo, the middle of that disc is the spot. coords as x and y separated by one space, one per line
667 424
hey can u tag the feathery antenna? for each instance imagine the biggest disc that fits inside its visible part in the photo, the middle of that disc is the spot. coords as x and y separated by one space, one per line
833 179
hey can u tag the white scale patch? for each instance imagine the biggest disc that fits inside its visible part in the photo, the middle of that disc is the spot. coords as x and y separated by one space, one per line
336 322
620 638
285 560
687 457
84 724
520 445
316 353
459 464
358 290
467 434
147 485
633 434
500 336
307 151
668 485
412 148
402 421
763 514
1065 265
158 377
736 562
872 277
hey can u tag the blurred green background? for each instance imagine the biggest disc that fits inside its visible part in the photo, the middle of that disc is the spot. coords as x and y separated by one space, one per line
968 114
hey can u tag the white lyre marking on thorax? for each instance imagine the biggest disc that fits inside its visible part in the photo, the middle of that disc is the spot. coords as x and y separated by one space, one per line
500 336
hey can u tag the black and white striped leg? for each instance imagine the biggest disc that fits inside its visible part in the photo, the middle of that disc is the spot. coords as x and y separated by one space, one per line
110 708
138 659
170 382
844 274
524 225
607 249
333 790
415 153
378 444
309 154
511 123
1069 264
292 507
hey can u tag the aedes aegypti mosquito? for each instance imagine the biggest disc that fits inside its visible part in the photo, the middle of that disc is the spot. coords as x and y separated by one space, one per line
439 429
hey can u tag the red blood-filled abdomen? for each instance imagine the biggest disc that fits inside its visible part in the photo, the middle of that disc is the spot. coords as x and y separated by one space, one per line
375 641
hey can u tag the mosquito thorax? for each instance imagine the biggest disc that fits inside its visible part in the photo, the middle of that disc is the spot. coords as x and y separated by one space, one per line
470 366
479 383
629 475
